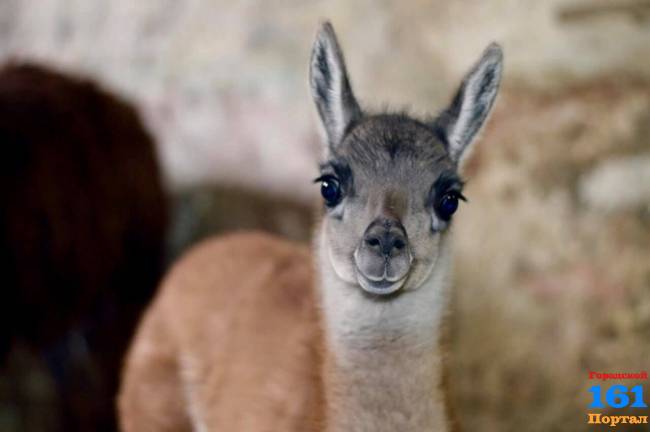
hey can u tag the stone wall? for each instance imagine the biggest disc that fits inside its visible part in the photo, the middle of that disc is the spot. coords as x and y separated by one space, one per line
553 250
223 84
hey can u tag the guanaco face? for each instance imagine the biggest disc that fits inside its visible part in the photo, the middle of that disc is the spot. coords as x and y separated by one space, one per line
390 183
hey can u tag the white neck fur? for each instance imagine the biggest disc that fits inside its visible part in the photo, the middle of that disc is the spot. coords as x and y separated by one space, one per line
383 366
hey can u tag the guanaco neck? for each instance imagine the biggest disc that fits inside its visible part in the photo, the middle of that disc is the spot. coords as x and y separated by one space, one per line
383 366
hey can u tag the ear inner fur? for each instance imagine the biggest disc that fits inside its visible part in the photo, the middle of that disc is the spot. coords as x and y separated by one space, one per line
331 90
460 123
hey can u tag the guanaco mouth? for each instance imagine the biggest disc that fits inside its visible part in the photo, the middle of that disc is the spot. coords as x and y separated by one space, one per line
380 287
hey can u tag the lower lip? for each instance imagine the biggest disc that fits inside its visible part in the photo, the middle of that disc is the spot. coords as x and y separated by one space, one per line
383 287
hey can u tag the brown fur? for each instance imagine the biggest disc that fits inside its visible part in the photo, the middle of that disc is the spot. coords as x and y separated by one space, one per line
445 384
246 337
241 315
81 231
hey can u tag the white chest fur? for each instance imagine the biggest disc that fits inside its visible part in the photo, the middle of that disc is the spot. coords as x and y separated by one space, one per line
384 362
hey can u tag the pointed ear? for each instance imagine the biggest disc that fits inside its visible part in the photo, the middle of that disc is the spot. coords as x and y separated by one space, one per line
459 124
330 86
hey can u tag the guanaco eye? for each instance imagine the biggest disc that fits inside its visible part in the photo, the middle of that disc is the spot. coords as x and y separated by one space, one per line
448 204
330 189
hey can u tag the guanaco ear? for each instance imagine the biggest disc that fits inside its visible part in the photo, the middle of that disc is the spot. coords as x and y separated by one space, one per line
330 87
459 124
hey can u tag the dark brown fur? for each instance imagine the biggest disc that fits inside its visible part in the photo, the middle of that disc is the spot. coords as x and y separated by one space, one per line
81 227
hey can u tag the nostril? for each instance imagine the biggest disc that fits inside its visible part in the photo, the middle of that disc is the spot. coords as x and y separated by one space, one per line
385 238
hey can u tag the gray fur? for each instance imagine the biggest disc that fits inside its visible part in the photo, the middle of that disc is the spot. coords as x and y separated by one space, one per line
384 159
383 248
331 90
459 124
393 163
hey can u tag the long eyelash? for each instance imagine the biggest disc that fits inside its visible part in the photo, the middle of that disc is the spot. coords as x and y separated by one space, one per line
460 196
325 177
457 194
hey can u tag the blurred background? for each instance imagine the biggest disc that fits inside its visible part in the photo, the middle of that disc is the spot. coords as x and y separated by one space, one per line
146 126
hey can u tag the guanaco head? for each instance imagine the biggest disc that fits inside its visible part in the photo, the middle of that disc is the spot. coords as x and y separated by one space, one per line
391 183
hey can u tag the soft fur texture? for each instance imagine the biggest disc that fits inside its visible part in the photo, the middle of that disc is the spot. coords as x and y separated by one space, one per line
459 124
330 85
227 346
238 318
384 368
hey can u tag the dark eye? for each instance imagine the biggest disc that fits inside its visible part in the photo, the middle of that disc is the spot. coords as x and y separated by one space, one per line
447 205
331 190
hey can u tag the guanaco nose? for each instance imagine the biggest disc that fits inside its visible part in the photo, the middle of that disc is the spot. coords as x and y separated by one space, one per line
386 237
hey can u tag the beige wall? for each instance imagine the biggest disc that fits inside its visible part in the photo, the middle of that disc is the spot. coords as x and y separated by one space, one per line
553 250
223 83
